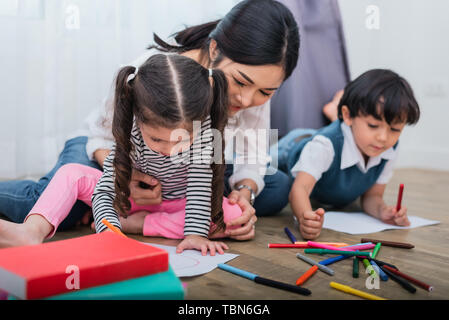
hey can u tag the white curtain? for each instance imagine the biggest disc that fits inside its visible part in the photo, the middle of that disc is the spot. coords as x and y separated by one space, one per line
58 59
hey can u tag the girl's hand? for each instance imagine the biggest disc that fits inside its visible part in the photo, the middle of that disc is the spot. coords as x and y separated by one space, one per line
201 243
390 215
247 220
311 223
144 196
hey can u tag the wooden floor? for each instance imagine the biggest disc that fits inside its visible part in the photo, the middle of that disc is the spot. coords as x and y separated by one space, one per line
426 195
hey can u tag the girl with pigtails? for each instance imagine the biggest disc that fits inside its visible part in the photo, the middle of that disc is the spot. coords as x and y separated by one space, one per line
165 112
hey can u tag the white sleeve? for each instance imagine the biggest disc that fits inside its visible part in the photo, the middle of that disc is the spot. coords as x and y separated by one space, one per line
316 157
252 156
387 172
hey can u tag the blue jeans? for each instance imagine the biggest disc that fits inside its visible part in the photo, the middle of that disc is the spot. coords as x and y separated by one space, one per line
18 197
286 147
274 196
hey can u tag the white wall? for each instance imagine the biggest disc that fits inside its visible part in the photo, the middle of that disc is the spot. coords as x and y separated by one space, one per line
413 40
58 59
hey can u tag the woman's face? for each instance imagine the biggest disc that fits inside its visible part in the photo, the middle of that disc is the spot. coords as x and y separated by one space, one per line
250 86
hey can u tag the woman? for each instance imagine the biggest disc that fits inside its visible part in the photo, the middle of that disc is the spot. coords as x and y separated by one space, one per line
256 45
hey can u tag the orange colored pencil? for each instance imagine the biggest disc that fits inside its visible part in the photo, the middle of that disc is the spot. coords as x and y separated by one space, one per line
306 275
335 244
112 228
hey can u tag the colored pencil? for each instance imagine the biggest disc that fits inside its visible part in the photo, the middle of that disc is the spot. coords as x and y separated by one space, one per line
383 276
355 292
288 245
355 267
306 275
390 243
290 235
112 228
329 261
376 250
345 253
412 280
367 264
401 190
335 244
264 281
362 246
404 283
323 268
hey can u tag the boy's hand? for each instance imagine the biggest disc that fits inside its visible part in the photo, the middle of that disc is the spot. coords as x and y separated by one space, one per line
310 223
391 216
201 243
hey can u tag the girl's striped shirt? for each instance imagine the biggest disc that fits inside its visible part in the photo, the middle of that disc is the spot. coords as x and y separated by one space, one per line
186 175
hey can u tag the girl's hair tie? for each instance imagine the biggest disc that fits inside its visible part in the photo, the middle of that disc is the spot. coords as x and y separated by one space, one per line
132 75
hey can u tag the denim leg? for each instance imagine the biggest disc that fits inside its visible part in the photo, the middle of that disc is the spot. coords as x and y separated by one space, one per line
17 198
280 151
274 196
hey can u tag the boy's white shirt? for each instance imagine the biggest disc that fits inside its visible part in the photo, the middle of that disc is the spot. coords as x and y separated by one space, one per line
250 162
318 155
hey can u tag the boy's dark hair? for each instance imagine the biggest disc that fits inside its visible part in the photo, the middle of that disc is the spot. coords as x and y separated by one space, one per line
254 32
382 94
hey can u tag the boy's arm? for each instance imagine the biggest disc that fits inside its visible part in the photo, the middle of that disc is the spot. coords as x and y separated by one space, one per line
310 222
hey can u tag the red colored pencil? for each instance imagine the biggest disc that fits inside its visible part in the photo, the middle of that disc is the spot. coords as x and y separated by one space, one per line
407 277
401 190
288 245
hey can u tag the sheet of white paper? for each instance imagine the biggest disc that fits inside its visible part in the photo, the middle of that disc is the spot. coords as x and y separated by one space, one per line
191 263
360 223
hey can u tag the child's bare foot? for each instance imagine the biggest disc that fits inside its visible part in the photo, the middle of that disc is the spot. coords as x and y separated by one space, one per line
134 223
330 109
33 231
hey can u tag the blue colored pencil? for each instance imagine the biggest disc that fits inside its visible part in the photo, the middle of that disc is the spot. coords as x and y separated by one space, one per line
290 235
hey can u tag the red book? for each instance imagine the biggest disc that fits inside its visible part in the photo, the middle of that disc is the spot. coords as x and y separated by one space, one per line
39 271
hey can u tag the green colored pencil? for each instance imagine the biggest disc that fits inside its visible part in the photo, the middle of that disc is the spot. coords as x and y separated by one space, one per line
376 250
355 268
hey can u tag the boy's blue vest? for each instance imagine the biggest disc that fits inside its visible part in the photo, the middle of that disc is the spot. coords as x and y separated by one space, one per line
338 187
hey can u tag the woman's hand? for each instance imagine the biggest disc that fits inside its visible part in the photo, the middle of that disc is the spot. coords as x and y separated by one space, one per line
144 195
247 220
202 244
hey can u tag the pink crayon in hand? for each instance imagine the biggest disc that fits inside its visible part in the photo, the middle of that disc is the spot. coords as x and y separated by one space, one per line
401 190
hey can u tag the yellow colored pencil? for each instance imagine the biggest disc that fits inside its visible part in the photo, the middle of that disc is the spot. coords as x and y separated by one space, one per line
353 291
112 228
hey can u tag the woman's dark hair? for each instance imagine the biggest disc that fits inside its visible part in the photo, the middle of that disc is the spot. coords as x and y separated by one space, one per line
382 94
169 90
254 32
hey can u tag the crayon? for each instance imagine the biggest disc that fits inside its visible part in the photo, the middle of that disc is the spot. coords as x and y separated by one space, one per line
407 277
323 268
390 243
376 250
112 228
401 190
335 244
407 286
288 245
383 276
355 292
290 235
306 275
345 253
264 281
367 264
362 246
355 267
